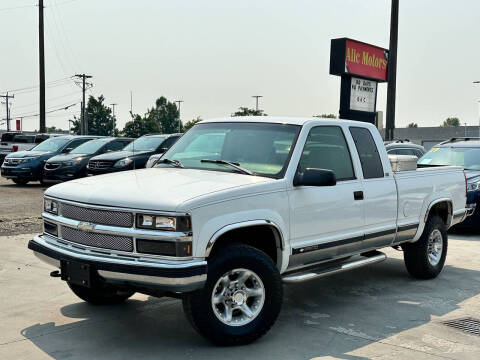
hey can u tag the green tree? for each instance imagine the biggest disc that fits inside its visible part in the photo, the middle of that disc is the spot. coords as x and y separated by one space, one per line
190 123
166 114
451 121
413 125
326 116
140 126
99 117
244 111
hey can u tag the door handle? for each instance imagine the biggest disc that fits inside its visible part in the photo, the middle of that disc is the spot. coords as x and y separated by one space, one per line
358 195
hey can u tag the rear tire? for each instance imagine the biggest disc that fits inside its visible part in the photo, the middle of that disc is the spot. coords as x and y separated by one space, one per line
425 258
241 299
100 295
20 181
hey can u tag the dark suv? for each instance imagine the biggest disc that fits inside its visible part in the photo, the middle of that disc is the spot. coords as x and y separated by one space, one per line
25 166
73 165
464 152
134 156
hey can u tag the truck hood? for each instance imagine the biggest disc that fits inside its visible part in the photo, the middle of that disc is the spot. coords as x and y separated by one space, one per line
163 189
24 154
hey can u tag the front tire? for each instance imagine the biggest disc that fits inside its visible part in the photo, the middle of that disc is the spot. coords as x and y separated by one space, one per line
100 295
241 299
20 181
425 258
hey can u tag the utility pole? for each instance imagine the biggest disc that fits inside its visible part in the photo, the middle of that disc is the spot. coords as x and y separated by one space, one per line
179 117
478 82
41 54
392 72
84 122
113 116
8 110
256 100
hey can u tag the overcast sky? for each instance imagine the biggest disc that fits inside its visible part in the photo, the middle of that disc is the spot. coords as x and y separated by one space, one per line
216 54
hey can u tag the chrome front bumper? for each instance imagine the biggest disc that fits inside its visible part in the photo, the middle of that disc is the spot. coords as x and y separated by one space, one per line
173 276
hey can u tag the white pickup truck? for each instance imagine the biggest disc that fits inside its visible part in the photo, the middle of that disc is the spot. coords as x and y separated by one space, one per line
240 206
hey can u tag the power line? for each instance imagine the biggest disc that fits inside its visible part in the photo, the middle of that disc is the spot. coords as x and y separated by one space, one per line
58 82
17 7
47 112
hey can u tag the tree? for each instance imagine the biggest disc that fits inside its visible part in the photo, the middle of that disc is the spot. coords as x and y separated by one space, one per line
451 121
140 126
53 129
326 116
244 111
413 125
190 123
99 117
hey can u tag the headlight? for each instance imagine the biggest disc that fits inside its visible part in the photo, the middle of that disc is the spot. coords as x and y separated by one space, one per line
123 163
72 162
169 223
472 186
50 206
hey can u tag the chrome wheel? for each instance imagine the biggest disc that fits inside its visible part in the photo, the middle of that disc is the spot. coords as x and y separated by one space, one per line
435 247
238 297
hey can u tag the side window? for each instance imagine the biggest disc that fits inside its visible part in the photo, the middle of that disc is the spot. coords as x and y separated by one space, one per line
326 148
169 142
76 143
368 152
392 152
114 146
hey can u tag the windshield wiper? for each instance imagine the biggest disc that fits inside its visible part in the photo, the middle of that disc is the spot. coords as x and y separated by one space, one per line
168 161
232 164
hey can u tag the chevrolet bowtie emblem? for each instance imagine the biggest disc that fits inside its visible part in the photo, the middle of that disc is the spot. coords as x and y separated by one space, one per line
85 226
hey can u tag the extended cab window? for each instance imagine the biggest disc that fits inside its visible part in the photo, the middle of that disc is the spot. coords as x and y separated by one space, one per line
368 152
326 148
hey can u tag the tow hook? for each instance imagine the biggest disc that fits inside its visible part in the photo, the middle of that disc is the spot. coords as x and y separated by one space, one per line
55 273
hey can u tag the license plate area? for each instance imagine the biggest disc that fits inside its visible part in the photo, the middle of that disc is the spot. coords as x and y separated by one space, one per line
76 273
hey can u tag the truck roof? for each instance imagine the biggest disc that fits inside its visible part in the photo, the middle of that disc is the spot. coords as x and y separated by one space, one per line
283 120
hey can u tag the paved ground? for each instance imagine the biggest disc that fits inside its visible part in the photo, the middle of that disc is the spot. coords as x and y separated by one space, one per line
20 207
376 312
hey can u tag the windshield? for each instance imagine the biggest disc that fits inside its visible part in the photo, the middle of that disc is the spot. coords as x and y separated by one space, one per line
89 147
260 148
52 144
145 143
468 158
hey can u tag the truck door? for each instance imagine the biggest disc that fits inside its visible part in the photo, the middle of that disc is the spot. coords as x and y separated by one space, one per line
326 221
379 191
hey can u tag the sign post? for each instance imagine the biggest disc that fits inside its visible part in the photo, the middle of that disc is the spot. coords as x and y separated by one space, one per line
361 67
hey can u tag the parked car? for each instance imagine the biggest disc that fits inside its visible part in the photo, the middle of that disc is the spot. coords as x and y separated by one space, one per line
73 165
134 156
276 200
17 141
153 159
404 147
464 152
25 166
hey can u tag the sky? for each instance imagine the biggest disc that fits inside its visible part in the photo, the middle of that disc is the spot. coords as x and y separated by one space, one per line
216 54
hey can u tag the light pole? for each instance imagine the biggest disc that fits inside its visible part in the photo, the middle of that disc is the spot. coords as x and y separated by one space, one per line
179 102
256 100
113 117
478 82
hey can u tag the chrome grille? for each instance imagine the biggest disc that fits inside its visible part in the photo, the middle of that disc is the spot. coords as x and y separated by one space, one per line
52 166
100 164
104 241
97 216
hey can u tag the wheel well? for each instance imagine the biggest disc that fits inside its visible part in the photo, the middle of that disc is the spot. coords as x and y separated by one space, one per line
443 210
262 237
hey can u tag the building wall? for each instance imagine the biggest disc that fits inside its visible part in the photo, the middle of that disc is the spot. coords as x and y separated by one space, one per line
429 136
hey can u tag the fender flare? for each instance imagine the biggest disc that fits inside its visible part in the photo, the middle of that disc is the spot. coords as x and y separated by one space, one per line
279 238
438 201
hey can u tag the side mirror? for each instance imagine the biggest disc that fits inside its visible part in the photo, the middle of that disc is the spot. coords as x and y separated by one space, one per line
67 150
315 177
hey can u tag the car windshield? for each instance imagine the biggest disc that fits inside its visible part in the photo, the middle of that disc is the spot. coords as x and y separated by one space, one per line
468 158
145 143
89 147
261 148
52 144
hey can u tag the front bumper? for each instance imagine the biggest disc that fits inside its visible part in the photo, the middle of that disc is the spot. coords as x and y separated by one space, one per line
63 173
143 272
30 173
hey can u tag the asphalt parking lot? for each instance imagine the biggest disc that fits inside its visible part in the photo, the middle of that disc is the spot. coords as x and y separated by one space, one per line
375 312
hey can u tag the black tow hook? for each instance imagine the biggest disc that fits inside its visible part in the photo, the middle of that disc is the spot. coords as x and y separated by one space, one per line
55 273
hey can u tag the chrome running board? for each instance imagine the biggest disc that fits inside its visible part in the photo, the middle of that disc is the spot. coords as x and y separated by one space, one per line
371 257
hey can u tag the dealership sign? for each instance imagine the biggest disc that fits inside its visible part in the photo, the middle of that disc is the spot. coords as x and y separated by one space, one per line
351 57
361 67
